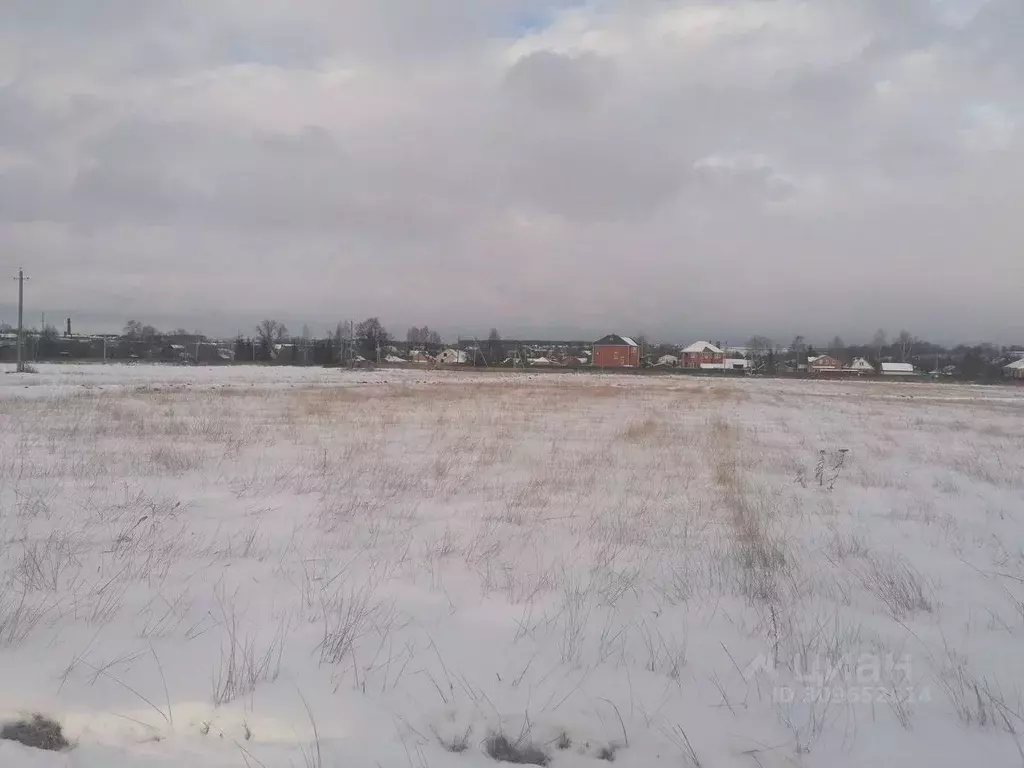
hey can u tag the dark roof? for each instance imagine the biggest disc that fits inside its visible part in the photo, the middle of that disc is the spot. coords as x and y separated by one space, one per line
613 340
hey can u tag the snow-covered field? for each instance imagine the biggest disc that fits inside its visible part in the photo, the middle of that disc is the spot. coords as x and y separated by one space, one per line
299 567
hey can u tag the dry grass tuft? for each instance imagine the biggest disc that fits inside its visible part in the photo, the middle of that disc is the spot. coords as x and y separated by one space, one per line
842 545
897 583
978 702
640 431
756 548
348 615
244 663
19 615
38 731
455 744
519 752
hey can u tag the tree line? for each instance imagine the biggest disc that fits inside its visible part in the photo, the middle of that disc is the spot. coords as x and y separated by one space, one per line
977 361
271 340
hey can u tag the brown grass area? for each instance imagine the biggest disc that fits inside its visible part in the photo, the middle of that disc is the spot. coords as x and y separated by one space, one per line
640 431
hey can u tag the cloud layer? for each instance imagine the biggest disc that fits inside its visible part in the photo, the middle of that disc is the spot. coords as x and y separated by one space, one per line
689 168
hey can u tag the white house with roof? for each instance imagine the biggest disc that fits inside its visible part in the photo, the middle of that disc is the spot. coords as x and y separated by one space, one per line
861 365
728 364
1014 370
453 357
898 369
701 353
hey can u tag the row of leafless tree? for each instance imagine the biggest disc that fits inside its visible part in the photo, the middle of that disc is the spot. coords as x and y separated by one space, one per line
900 348
368 337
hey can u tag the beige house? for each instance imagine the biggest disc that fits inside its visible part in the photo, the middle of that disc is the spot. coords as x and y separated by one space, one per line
824 363
1015 370
861 365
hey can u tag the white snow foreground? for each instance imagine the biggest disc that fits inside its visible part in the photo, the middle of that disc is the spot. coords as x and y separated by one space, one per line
299 567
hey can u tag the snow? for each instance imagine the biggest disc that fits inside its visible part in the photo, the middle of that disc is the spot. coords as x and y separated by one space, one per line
233 566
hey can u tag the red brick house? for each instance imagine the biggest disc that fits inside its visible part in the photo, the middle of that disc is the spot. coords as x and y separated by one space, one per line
614 351
701 353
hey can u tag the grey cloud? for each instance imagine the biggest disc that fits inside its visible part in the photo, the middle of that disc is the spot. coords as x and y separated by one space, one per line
994 36
605 172
167 174
356 157
22 124
547 80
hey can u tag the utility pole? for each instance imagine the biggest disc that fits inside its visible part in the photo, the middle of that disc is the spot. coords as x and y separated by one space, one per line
21 312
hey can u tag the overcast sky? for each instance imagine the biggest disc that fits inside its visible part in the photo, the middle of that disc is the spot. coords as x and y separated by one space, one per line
689 168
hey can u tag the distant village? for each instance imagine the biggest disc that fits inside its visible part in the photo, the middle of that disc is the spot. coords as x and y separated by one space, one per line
369 344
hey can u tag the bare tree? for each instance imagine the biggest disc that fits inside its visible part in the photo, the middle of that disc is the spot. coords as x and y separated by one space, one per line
344 331
905 343
135 330
371 336
306 337
878 342
47 343
495 349
836 346
416 335
798 348
269 333
758 347
421 336
342 337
